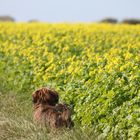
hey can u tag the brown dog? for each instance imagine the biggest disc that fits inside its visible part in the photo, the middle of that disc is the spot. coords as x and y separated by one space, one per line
47 110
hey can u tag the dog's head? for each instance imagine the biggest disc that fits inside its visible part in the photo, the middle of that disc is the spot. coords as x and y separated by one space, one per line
45 96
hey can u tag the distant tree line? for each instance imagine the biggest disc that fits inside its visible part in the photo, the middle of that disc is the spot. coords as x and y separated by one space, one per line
131 21
33 20
11 19
105 20
125 21
6 19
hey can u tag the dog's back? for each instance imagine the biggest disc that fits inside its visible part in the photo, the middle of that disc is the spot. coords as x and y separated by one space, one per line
65 115
54 116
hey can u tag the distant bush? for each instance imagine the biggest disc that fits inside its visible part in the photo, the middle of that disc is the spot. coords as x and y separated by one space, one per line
6 18
33 20
109 20
131 21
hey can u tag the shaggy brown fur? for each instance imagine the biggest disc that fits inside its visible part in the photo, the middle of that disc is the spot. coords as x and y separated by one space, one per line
45 96
48 112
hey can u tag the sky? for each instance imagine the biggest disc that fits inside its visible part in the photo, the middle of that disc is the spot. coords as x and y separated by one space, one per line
70 10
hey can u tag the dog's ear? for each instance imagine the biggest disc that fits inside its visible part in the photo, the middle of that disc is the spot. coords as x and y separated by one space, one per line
54 98
35 96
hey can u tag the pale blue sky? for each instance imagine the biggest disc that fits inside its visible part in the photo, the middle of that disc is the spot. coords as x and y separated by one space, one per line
70 10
